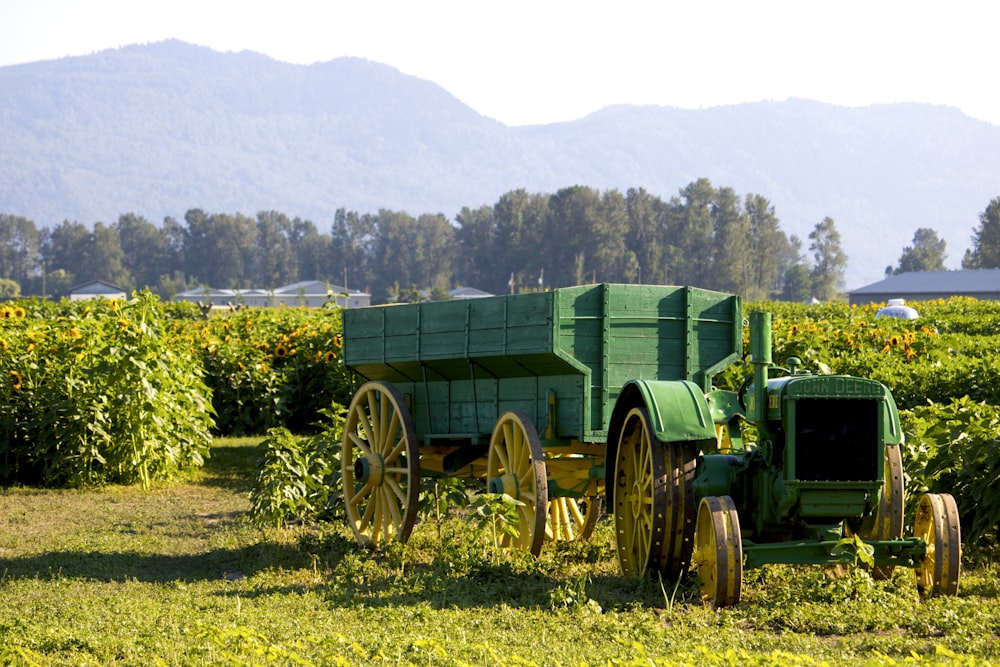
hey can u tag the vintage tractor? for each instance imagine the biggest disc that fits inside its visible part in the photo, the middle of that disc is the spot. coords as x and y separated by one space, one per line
821 483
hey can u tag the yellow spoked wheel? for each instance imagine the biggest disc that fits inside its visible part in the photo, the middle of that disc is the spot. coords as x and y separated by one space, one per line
718 551
515 467
937 524
572 518
653 500
380 465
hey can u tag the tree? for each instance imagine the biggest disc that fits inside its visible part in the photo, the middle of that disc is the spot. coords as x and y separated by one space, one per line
143 250
310 249
731 231
64 248
690 231
644 238
219 249
476 239
797 286
394 252
18 248
104 258
769 248
435 253
9 289
570 241
831 262
351 251
926 253
274 259
985 251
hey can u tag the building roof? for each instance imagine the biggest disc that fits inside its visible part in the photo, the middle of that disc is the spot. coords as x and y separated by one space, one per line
966 282
468 293
97 287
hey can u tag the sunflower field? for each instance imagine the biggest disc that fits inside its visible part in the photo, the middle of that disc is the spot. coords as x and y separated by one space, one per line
110 391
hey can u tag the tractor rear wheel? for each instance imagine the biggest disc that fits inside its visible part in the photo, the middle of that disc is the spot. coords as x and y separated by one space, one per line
654 505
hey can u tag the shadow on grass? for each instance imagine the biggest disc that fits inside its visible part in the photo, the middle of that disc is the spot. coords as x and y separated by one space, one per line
231 467
218 564
151 568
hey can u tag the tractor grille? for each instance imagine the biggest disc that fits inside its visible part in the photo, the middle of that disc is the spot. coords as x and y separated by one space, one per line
836 439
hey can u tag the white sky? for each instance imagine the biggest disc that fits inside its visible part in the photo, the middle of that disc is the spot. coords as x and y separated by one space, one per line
541 61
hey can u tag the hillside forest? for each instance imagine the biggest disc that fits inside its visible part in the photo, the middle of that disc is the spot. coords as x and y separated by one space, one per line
707 236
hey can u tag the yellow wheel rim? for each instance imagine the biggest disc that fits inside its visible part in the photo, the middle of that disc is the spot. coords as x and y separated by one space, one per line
937 524
379 466
515 467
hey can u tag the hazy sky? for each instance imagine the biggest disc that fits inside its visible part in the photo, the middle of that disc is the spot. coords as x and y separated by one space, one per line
540 61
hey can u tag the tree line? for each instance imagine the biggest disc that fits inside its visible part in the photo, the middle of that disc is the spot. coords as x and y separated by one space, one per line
704 236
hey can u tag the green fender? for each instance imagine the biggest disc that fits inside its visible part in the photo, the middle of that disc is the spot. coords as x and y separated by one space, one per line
678 411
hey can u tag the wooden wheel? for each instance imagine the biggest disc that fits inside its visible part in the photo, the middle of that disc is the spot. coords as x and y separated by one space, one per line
380 465
654 500
515 467
938 525
572 518
718 551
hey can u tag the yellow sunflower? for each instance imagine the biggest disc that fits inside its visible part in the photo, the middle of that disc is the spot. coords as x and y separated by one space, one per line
17 379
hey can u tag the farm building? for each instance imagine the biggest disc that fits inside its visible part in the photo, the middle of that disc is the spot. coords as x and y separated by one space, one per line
308 293
926 285
97 289
467 293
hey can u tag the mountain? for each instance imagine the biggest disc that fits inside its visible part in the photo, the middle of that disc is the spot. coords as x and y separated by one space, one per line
160 128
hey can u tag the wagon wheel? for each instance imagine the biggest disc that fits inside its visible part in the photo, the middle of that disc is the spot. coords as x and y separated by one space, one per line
515 467
937 524
572 519
654 500
718 551
889 513
380 465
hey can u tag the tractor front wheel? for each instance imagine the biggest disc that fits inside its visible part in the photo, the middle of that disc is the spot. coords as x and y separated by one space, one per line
937 524
718 552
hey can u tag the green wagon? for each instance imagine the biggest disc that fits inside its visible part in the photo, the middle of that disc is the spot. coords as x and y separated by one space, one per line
517 389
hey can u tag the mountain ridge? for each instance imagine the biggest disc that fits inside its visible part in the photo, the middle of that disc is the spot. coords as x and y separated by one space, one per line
160 128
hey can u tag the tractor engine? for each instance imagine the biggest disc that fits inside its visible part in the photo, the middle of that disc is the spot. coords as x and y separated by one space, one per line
820 450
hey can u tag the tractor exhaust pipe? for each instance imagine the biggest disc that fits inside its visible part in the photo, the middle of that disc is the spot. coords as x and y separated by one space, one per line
760 357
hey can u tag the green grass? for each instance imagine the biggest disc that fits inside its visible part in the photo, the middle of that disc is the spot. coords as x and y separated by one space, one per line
178 575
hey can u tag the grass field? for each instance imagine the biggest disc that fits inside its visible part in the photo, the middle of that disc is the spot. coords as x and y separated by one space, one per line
178 575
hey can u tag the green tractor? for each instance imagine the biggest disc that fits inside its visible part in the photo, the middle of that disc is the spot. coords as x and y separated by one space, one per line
821 484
